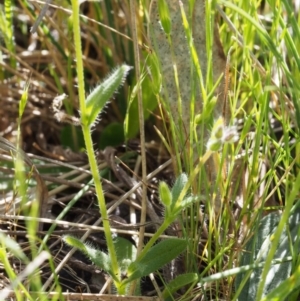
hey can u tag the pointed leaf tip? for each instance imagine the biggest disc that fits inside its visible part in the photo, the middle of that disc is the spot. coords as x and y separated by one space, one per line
178 186
157 257
98 98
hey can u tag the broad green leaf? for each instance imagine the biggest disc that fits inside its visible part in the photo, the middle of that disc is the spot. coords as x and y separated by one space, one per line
179 282
125 251
157 257
96 101
285 288
126 254
257 250
98 257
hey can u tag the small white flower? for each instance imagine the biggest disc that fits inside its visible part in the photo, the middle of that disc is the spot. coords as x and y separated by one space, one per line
221 134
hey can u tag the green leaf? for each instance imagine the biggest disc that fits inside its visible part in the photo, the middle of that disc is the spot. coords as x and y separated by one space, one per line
285 288
257 250
165 194
125 251
96 101
179 282
164 15
7 30
178 187
126 254
157 257
186 202
23 100
98 257
156 78
13 247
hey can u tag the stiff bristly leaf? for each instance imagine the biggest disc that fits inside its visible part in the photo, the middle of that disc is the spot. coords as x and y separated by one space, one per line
126 252
178 187
165 194
98 257
96 101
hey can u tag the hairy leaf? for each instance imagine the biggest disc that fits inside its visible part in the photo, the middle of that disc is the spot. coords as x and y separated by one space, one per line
96 101
126 252
165 194
98 257
178 187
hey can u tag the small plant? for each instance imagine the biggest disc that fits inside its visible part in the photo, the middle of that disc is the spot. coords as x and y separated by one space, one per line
90 108
155 254
126 267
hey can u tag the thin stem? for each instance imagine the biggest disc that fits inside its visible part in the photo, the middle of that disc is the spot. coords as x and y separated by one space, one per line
169 220
89 142
141 123
154 238
142 134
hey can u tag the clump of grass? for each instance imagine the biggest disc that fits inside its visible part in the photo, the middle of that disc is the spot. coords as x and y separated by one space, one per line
247 172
